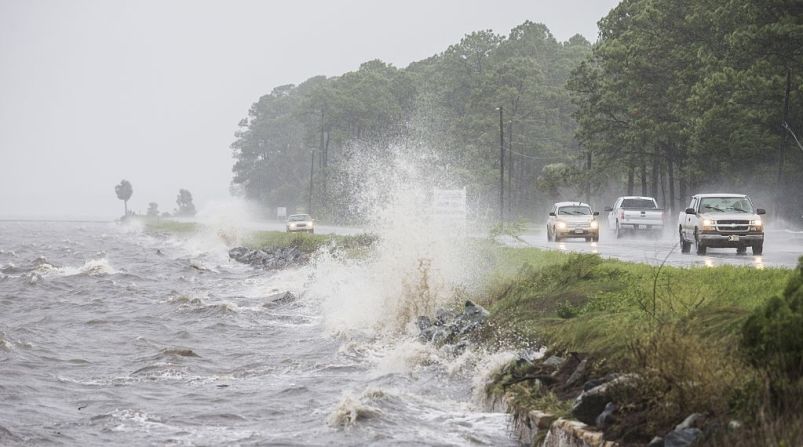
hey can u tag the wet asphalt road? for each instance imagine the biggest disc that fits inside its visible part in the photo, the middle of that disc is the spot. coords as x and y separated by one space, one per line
782 248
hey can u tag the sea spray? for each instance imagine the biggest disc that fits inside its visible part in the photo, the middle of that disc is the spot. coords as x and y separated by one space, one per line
418 260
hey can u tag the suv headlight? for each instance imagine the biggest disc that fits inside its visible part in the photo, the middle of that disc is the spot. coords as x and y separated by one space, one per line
561 225
708 224
755 225
594 224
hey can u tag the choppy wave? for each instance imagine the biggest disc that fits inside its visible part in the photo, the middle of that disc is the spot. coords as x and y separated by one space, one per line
351 410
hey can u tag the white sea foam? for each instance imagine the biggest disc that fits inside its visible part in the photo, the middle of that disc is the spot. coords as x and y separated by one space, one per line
417 263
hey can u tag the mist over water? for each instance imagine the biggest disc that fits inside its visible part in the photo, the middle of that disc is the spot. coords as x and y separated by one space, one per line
105 341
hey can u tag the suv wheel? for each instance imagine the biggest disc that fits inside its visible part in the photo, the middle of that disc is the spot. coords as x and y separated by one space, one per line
741 250
548 235
758 248
618 230
699 245
685 246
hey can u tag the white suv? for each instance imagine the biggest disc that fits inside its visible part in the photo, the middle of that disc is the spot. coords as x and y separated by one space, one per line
572 219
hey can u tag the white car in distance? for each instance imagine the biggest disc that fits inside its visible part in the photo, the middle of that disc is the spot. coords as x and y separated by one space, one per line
572 219
300 222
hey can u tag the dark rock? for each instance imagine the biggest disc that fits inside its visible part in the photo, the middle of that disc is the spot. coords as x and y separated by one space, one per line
579 374
606 418
694 420
475 311
527 356
589 404
554 361
443 316
280 298
593 383
656 442
682 438
423 323
269 259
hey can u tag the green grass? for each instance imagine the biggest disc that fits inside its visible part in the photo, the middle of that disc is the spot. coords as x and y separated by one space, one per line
306 242
584 303
159 225
353 245
678 329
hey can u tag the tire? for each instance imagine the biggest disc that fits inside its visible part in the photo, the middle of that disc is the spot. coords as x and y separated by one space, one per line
595 238
699 246
741 250
555 236
758 248
588 239
311 231
618 230
685 246
548 235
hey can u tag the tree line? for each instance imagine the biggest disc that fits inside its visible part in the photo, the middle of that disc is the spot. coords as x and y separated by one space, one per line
444 108
186 208
680 96
675 97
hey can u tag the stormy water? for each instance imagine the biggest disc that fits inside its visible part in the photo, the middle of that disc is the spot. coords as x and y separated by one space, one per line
113 336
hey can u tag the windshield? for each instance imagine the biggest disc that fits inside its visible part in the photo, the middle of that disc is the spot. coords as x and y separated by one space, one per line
725 205
299 217
638 203
574 211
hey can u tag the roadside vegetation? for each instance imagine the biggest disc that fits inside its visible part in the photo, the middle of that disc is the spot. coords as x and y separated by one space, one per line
724 342
266 240
159 225
307 243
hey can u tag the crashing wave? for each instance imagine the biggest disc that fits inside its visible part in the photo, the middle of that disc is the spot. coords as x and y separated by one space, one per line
350 410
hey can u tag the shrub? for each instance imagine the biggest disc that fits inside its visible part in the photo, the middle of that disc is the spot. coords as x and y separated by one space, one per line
772 337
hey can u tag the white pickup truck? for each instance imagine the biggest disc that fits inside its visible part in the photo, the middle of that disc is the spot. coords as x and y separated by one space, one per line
721 221
635 213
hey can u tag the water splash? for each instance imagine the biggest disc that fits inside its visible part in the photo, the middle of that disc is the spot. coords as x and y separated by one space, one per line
418 261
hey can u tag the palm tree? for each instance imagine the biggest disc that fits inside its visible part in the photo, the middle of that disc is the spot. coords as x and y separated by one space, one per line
124 191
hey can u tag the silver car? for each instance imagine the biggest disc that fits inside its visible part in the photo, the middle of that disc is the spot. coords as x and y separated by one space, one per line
300 222
572 219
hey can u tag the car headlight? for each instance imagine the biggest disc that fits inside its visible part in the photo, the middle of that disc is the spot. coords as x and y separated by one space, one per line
561 225
594 224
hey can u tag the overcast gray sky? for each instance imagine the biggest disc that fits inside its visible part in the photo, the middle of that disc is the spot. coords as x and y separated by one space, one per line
93 91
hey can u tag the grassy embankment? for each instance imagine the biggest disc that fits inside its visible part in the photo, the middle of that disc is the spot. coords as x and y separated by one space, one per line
679 329
307 243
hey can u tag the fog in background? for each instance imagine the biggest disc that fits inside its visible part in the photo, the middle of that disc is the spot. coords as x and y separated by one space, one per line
92 92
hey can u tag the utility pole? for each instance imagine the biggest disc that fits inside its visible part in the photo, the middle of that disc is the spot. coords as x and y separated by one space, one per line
510 169
311 172
501 167
782 145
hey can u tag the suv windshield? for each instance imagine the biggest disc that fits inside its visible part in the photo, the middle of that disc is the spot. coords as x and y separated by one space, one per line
725 205
299 217
574 211
638 203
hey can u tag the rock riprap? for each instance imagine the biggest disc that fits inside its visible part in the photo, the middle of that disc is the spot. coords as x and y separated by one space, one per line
270 258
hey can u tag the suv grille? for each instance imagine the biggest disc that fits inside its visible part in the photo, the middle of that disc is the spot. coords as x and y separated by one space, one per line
732 225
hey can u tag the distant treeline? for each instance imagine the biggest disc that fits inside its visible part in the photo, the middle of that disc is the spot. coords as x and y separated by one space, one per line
447 104
681 96
676 96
